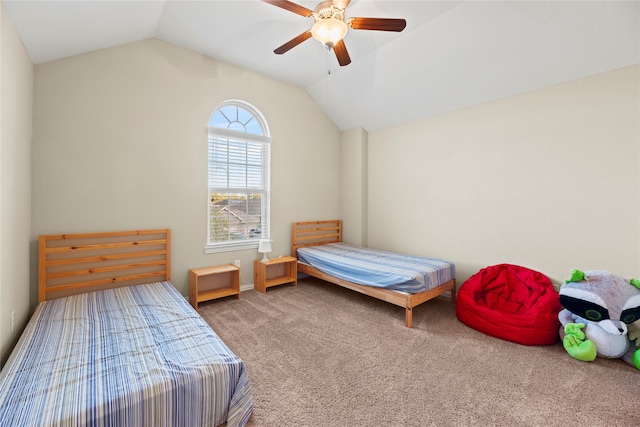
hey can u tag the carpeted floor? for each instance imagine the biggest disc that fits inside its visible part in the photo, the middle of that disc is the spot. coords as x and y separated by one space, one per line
321 355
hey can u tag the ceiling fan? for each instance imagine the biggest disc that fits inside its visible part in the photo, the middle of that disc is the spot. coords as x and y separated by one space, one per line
330 27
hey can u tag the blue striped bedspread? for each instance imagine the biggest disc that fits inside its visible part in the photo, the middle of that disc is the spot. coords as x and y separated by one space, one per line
371 267
132 356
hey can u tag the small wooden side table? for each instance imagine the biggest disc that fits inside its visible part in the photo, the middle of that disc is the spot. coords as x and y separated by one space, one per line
213 282
276 271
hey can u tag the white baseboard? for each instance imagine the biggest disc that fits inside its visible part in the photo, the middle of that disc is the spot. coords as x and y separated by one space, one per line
246 287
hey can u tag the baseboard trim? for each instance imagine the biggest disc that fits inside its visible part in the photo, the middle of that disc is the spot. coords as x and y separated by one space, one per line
246 287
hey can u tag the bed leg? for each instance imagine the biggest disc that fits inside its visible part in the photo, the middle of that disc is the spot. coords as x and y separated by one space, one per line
408 317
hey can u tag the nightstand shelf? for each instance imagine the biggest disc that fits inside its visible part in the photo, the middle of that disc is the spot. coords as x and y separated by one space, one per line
213 282
276 271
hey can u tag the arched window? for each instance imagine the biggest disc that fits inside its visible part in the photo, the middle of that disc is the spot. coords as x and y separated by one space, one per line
239 163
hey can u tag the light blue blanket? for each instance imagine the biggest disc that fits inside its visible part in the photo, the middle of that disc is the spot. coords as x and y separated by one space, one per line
406 273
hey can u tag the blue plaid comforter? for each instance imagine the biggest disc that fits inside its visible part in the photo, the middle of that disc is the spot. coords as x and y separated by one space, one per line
132 356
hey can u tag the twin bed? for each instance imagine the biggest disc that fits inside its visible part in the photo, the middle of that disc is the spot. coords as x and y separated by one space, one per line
403 280
112 342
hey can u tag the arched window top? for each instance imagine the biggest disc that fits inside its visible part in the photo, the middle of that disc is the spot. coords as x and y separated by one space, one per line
238 116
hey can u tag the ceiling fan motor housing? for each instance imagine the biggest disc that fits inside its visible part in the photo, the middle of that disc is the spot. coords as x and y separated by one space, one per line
326 10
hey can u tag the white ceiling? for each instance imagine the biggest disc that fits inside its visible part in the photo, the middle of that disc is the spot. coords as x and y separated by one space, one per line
452 54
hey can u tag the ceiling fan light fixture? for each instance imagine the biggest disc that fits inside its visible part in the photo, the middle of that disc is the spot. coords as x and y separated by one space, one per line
329 31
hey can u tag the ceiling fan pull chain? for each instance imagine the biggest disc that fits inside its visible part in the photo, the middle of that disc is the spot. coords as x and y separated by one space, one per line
327 48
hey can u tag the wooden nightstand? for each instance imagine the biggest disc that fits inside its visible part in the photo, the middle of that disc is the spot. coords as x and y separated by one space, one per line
213 282
276 271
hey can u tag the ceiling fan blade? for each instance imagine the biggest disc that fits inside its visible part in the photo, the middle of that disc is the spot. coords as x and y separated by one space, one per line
341 53
379 24
291 7
341 4
293 42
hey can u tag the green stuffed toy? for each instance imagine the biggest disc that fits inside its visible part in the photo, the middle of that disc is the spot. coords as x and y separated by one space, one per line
600 316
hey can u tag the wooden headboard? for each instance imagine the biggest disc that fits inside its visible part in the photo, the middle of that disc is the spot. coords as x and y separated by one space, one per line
312 233
70 264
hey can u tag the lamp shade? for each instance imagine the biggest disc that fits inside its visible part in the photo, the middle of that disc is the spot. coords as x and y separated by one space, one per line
329 31
264 247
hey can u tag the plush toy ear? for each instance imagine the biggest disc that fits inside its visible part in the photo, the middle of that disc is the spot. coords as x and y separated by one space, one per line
576 276
635 282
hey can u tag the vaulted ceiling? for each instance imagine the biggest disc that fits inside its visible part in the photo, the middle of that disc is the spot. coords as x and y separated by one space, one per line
452 54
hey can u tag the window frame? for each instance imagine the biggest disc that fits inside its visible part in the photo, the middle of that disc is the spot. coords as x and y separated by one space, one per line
264 139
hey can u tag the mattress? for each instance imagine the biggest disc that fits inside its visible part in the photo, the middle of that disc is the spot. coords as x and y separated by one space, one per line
136 355
382 269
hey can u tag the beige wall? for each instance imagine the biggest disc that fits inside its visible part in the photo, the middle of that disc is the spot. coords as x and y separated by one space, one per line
120 143
16 104
353 167
548 179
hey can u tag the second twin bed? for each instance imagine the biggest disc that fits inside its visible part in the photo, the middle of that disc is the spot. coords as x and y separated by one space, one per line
403 280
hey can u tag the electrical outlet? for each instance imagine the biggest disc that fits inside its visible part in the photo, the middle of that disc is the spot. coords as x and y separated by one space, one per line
237 263
13 320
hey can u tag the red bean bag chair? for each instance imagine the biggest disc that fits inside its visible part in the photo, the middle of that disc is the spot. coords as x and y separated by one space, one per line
512 303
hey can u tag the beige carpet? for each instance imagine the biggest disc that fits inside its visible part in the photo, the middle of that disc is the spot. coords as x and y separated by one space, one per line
321 355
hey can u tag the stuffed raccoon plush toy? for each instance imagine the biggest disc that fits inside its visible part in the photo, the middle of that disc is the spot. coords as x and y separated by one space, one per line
600 316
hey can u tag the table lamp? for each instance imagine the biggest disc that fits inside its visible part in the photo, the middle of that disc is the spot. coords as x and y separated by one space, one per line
264 247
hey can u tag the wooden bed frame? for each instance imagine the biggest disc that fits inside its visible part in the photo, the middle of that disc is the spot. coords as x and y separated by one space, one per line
312 233
73 264
70 264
